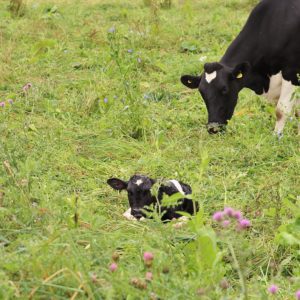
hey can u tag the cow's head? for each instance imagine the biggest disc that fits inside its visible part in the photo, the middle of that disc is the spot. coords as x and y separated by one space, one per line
139 192
219 86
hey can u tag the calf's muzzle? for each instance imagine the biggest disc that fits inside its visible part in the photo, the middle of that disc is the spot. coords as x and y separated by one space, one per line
137 213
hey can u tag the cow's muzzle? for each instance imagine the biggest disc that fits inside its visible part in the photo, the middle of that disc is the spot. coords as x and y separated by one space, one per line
215 127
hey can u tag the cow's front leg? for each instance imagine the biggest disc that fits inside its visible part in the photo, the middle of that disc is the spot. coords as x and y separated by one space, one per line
284 106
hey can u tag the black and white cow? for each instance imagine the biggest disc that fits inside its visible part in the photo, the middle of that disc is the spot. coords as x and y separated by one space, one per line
265 57
139 195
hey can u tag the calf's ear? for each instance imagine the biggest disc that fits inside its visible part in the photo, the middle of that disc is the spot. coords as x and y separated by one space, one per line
153 181
191 82
148 185
117 184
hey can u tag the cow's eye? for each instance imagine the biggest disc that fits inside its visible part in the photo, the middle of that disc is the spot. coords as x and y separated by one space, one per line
130 193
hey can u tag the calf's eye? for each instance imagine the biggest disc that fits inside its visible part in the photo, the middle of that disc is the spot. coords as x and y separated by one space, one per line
224 90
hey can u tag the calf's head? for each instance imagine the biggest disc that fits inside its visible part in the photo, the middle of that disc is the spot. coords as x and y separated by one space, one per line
219 86
139 192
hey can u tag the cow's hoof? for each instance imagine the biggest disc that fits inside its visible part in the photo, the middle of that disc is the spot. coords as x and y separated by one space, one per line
278 135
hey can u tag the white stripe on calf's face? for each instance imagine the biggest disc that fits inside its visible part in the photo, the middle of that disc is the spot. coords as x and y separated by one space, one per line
210 76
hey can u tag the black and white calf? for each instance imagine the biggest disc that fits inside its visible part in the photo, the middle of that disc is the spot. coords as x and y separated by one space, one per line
139 195
265 57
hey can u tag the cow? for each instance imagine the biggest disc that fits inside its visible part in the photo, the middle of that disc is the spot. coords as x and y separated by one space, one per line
264 57
140 197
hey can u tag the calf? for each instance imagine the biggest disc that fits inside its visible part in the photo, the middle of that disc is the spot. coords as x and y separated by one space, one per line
139 195
267 46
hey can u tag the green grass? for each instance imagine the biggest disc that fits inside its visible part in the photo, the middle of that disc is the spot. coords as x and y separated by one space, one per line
60 142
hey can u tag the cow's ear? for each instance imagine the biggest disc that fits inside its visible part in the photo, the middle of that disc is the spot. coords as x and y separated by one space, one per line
117 184
241 70
191 82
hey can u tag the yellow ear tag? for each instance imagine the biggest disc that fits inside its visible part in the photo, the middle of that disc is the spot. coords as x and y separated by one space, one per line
240 75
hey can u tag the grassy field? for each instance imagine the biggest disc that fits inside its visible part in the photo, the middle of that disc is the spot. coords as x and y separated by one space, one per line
106 100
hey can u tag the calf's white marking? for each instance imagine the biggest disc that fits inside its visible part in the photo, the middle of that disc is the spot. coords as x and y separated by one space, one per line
127 214
139 182
210 76
181 222
177 186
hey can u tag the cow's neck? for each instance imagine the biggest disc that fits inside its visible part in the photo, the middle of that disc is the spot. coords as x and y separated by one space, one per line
240 50
244 49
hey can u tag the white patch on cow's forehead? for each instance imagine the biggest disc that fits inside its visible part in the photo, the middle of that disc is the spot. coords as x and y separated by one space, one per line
177 186
139 182
210 76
